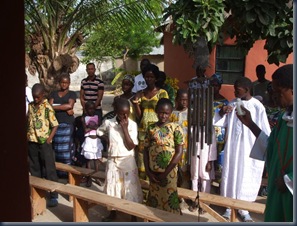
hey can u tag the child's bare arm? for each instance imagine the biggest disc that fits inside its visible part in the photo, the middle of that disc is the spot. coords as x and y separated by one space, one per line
136 104
148 172
128 142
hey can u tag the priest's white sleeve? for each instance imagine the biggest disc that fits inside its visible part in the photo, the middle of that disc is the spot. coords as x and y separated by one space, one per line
289 183
260 146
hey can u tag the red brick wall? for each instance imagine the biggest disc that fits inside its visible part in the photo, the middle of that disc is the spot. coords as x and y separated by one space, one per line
178 64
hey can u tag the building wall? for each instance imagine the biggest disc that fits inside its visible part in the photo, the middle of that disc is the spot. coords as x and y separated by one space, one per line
179 65
134 64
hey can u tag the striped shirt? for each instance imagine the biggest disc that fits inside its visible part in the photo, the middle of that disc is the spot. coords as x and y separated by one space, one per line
91 88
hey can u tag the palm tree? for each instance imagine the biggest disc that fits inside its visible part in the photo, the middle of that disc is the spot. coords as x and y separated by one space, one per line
55 29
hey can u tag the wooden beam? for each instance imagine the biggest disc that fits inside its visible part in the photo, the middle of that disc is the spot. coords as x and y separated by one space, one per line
74 169
212 212
38 201
216 199
125 206
80 210
39 189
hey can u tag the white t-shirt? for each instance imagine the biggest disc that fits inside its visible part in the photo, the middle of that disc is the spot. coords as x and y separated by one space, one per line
139 83
29 97
114 131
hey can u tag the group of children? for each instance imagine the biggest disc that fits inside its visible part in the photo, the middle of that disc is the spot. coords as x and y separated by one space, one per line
165 148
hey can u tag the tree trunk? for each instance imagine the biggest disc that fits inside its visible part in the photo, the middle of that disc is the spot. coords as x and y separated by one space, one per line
201 53
50 70
125 58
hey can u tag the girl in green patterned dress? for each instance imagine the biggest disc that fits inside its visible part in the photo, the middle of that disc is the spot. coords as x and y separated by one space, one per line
163 150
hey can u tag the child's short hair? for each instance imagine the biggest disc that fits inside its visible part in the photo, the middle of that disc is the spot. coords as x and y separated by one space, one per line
64 75
284 76
244 82
38 88
180 92
164 102
120 103
89 104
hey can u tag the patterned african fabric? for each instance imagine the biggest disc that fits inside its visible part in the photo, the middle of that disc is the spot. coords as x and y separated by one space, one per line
171 92
160 143
41 120
220 131
132 115
273 113
149 116
63 145
181 117
277 150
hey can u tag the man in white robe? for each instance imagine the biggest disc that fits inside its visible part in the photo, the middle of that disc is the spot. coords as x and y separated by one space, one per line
241 175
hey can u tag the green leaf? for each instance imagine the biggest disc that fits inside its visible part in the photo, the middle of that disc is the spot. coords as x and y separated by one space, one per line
249 6
180 21
283 43
282 58
185 33
264 18
290 42
251 17
272 30
120 74
208 36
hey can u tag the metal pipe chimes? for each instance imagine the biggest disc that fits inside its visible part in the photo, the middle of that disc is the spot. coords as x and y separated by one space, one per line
200 116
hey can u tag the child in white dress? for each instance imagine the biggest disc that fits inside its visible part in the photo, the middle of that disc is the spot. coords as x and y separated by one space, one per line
122 180
92 146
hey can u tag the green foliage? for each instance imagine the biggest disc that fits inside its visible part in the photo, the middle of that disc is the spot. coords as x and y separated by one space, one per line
59 27
109 40
279 42
121 73
247 20
195 19
253 20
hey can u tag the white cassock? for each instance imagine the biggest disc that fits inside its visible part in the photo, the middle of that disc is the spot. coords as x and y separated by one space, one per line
242 175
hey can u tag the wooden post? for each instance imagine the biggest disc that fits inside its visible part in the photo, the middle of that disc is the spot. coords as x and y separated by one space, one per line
233 215
74 180
38 197
80 210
